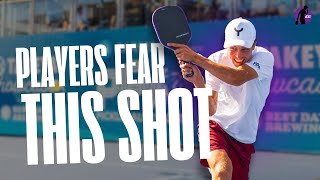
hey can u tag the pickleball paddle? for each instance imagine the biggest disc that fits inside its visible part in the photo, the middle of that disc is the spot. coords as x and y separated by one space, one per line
171 26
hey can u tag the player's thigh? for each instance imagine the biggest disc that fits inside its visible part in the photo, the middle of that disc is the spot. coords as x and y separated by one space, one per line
220 161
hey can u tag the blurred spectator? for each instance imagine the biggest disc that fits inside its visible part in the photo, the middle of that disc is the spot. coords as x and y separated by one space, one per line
211 13
186 5
109 19
205 10
149 8
198 11
134 13
224 9
53 15
81 18
282 9
272 9
194 10
259 8
250 8
317 9
65 25
113 21
113 15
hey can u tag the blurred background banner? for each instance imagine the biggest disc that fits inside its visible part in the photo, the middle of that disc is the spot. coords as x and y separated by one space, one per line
289 122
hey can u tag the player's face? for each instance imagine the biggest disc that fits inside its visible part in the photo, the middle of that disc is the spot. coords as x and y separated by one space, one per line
239 54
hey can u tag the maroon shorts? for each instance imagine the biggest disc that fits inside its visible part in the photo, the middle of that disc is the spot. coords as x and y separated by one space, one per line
239 153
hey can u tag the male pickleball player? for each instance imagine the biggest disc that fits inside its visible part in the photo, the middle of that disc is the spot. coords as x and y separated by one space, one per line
240 77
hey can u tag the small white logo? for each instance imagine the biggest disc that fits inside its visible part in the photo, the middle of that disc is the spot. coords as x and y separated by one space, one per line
308 16
184 34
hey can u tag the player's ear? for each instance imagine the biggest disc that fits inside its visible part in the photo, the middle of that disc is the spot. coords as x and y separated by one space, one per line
254 44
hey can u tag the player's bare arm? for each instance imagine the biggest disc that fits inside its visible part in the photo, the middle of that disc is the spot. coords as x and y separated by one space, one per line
234 76
198 82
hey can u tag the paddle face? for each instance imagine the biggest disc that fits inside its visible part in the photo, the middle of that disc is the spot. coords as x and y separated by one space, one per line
171 25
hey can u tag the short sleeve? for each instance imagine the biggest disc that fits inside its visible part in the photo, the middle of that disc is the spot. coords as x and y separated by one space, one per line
262 63
212 81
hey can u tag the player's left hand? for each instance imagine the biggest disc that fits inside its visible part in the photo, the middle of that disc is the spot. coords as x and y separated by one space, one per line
197 78
183 52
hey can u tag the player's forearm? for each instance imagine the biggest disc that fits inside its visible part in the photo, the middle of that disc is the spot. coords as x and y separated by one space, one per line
199 81
199 84
213 103
212 99
212 109
228 75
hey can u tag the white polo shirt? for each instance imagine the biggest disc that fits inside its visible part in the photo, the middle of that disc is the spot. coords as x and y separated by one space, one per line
239 107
